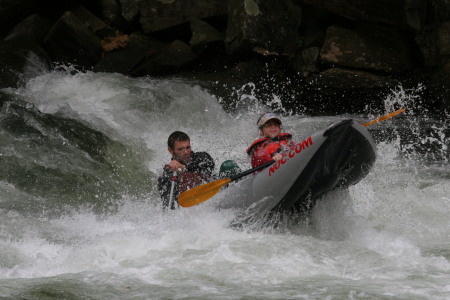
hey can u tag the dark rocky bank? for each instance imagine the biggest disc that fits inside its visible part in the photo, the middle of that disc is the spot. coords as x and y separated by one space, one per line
320 57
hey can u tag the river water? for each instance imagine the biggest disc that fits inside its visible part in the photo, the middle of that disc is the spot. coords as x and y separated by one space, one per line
80 217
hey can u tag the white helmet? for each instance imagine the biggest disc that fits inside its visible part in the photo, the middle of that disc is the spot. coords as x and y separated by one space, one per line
266 117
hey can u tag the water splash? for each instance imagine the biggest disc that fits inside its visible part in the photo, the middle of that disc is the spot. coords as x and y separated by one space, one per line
419 136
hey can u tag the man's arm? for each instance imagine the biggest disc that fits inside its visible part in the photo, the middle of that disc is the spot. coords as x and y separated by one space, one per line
202 163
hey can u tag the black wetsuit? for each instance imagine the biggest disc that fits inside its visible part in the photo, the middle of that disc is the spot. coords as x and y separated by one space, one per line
201 163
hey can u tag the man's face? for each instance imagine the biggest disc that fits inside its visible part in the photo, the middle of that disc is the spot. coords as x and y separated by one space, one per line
182 150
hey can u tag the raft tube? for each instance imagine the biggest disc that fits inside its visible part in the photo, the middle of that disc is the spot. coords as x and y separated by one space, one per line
337 157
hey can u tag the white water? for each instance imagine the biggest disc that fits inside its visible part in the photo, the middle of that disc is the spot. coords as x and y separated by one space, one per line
388 238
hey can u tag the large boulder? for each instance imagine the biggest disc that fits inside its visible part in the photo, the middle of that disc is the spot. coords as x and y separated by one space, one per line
434 43
32 29
340 90
71 33
428 44
270 24
156 15
370 47
345 79
124 59
91 21
173 57
400 13
307 62
11 64
130 9
111 13
13 11
18 60
203 34
21 52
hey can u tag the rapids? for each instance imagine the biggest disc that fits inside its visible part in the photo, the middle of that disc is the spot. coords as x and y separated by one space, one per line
81 218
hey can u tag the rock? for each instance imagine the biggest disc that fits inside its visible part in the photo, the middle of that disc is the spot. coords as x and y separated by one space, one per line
32 29
400 13
203 34
115 42
21 53
439 86
130 9
437 11
97 26
124 60
270 24
156 15
415 13
111 12
443 41
250 70
339 78
306 62
18 60
370 47
428 45
71 33
353 43
170 59
434 44
312 30
339 90
10 66
13 11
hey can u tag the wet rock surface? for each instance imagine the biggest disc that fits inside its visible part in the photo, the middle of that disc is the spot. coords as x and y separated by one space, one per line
322 56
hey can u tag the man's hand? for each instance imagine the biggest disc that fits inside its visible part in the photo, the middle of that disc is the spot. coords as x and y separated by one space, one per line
176 166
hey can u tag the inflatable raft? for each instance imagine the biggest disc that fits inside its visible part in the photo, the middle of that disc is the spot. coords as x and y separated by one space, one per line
337 157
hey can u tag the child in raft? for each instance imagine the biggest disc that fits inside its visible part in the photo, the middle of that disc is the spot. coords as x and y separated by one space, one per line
272 142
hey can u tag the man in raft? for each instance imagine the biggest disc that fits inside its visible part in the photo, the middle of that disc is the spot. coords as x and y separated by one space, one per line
185 170
272 143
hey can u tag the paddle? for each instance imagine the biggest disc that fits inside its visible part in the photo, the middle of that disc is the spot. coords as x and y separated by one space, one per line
172 187
203 192
385 117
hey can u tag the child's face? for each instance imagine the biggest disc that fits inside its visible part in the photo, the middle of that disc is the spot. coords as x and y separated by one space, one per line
271 129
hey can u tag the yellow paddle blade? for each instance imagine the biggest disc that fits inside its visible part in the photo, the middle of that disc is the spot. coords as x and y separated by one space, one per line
392 114
201 193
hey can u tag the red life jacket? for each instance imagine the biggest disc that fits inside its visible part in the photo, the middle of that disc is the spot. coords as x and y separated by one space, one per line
263 149
282 138
189 180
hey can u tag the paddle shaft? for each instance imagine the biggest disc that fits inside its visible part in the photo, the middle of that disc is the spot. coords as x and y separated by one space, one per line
245 173
172 187
385 117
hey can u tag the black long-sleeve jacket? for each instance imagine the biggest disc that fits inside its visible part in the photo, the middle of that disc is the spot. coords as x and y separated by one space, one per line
201 164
